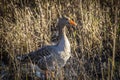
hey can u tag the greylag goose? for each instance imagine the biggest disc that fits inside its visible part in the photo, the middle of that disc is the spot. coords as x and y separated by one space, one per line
50 57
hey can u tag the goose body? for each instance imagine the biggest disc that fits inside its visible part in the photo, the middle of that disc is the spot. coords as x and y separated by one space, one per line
52 56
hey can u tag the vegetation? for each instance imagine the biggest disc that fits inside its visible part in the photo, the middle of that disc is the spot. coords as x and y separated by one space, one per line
26 25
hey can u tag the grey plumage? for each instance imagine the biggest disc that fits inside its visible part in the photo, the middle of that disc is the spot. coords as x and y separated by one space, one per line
53 56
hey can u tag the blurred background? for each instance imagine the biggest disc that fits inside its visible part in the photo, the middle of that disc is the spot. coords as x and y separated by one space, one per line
26 25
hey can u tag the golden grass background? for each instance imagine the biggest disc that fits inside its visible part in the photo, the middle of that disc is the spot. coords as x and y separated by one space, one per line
26 25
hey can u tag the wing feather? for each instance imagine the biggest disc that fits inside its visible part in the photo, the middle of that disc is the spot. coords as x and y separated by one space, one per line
36 55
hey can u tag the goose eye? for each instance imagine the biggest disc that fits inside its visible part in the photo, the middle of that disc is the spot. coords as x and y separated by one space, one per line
66 19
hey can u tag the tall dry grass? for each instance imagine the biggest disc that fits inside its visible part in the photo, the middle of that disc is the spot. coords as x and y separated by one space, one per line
27 25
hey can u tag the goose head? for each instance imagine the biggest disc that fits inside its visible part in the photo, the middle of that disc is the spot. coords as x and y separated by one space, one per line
65 21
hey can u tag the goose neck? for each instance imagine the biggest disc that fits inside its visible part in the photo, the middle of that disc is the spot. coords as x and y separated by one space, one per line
62 32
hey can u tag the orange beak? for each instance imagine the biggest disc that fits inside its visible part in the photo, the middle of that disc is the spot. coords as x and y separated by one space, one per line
72 22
